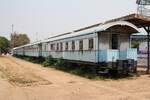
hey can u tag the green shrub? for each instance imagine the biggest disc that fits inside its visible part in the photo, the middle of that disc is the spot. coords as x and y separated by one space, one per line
59 62
49 61
135 44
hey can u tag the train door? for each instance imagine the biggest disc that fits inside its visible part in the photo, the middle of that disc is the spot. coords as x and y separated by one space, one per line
114 41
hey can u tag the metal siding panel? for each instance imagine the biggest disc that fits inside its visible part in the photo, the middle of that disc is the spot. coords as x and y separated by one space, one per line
76 45
129 54
113 55
76 55
108 55
69 45
85 44
104 41
45 53
102 55
124 41
132 54
123 54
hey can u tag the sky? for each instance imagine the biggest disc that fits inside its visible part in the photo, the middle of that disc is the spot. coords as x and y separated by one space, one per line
41 19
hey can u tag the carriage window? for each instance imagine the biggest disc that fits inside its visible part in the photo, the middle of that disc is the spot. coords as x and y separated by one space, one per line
115 41
91 44
73 45
45 48
66 47
49 47
52 46
81 45
57 47
61 46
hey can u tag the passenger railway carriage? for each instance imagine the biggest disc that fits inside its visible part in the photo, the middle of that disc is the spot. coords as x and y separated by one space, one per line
99 44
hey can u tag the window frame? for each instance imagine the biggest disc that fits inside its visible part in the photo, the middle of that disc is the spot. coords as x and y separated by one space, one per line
57 46
80 45
73 45
91 43
115 38
66 46
61 46
52 46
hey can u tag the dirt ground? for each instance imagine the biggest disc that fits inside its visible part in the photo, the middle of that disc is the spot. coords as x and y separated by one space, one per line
21 80
142 62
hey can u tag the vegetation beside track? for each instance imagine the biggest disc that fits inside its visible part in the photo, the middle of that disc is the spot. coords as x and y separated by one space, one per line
73 68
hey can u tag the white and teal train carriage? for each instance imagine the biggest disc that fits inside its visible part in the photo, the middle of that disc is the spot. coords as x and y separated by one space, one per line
103 43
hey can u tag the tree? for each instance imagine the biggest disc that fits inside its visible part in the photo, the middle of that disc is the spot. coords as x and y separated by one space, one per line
19 39
4 45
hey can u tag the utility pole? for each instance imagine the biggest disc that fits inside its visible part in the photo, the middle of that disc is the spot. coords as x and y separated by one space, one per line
12 28
147 29
143 8
148 48
148 51
12 36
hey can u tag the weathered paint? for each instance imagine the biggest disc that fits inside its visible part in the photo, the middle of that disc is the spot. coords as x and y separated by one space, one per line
89 56
124 41
95 56
108 55
129 54
104 40
32 54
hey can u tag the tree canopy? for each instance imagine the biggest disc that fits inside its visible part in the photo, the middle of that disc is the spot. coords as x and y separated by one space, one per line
4 45
19 39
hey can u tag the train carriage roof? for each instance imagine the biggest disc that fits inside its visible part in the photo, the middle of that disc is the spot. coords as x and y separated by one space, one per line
133 21
30 44
136 19
97 28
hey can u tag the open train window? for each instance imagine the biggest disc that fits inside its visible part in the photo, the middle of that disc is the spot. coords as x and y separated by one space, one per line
52 46
61 46
81 45
49 47
115 41
91 44
73 45
45 47
57 47
66 47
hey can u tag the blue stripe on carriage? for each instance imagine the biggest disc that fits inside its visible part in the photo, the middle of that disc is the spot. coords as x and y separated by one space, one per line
90 56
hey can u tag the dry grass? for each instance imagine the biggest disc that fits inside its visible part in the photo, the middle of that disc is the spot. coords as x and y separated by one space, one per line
21 77
65 86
